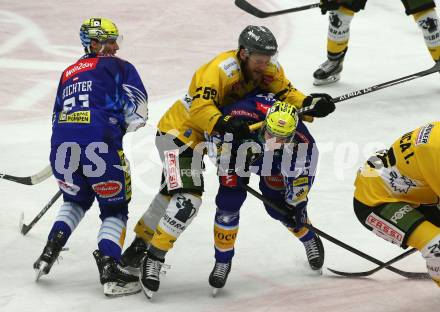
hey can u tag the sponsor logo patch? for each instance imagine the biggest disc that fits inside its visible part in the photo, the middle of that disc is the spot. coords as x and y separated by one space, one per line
274 182
301 181
79 67
82 117
385 229
68 188
300 193
423 135
401 213
229 180
229 66
107 189
172 169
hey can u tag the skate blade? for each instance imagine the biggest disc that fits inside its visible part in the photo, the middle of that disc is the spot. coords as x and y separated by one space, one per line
114 289
147 292
40 272
318 271
214 291
329 80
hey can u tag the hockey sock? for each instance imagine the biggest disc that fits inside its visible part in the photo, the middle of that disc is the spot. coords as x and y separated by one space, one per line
429 24
147 224
426 238
111 236
68 218
225 234
422 235
303 234
338 33
179 214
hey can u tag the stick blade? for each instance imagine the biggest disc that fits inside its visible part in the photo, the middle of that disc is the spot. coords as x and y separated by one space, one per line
349 274
21 180
409 275
245 6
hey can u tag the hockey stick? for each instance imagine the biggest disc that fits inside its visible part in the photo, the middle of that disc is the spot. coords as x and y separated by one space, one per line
412 275
433 69
249 8
26 228
31 180
380 267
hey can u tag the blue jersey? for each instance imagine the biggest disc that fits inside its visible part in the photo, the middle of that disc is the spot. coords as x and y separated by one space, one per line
99 99
292 168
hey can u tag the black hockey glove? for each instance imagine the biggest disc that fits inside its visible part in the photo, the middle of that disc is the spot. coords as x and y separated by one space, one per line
329 5
228 124
320 104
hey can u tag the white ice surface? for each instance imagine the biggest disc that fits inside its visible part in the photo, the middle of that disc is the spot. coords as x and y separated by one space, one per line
167 41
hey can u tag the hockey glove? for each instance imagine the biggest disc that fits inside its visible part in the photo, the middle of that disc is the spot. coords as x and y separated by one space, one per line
329 5
320 104
228 124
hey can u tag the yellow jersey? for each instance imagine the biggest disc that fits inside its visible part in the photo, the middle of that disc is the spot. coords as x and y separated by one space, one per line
218 83
407 172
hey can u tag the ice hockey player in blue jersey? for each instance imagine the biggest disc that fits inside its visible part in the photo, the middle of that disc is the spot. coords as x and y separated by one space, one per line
286 177
99 99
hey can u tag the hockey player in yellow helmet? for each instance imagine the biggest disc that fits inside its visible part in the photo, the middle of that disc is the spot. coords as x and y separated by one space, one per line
281 123
284 156
100 35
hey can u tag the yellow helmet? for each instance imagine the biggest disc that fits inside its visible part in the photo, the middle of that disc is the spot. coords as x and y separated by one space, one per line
97 28
281 120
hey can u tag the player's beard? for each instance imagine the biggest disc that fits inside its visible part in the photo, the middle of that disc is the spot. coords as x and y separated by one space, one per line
255 75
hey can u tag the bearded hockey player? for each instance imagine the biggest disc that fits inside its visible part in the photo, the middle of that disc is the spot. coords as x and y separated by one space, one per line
397 194
285 180
99 99
222 81
341 13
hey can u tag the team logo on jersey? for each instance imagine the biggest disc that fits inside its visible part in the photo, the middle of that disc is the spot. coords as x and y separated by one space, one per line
423 135
399 183
79 67
107 189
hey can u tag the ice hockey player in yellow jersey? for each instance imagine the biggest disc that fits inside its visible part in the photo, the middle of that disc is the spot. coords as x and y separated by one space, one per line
341 13
227 78
397 194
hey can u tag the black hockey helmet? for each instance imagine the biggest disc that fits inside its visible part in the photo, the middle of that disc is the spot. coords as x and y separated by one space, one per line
258 39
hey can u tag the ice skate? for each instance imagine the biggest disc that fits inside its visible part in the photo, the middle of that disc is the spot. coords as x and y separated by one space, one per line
315 253
328 72
150 274
50 254
116 280
133 255
219 276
